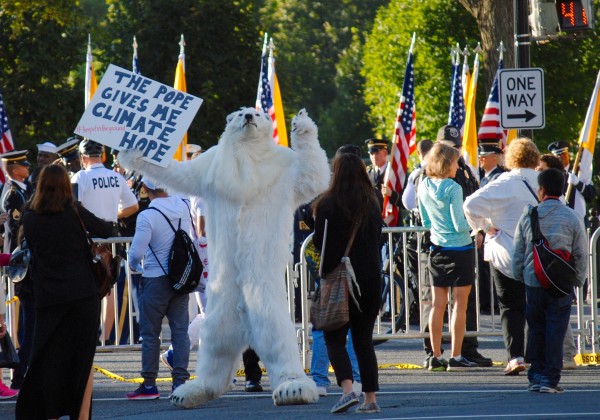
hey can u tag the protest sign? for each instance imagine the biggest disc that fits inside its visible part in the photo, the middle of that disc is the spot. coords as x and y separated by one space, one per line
130 111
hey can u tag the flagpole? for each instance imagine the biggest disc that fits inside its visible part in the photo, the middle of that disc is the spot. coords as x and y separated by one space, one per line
588 132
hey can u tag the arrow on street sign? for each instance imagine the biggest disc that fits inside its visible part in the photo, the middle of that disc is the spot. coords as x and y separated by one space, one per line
528 115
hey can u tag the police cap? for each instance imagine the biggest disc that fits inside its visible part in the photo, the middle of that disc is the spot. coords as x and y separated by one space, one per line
68 149
90 148
374 145
15 157
488 149
558 147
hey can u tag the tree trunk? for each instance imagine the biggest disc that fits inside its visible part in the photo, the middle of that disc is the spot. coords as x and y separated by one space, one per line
495 19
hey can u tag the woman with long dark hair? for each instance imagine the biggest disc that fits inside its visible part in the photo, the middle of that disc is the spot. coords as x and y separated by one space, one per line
59 378
351 202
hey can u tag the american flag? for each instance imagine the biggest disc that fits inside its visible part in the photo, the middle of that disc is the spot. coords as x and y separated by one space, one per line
456 115
490 130
264 97
6 145
404 142
135 65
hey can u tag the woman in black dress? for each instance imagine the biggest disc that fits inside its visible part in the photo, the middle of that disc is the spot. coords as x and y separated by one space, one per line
351 201
59 379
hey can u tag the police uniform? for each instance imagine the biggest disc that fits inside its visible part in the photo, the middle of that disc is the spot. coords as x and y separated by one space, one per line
69 155
101 190
377 176
484 150
15 195
583 192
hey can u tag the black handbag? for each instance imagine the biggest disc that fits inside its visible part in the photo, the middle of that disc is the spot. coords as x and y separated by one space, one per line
8 354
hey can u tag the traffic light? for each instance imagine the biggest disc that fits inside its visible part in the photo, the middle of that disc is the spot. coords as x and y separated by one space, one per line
543 18
574 15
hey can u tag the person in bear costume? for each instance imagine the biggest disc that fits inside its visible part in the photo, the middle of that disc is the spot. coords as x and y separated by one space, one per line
251 187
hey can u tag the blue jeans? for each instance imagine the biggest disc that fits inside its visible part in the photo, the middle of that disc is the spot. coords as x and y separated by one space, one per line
547 318
157 300
319 364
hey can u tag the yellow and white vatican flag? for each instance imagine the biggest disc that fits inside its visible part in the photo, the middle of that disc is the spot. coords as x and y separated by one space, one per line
470 133
90 76
587 142
181 85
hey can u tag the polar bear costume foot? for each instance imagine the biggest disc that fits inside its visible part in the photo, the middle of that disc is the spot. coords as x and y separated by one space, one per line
191 394
296 391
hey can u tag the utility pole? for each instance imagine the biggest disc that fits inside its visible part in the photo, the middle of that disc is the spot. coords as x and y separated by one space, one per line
522 43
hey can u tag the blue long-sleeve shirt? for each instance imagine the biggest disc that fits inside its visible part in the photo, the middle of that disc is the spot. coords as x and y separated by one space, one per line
441 208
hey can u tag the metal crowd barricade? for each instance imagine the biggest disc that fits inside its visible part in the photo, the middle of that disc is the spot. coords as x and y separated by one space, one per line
493 330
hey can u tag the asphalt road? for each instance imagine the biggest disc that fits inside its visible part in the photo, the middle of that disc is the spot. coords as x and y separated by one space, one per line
483 393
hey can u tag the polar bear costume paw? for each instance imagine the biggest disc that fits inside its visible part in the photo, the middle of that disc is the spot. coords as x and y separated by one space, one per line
296 391
303 126
190 395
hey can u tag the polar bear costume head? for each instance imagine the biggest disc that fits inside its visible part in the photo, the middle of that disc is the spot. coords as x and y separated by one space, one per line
248 158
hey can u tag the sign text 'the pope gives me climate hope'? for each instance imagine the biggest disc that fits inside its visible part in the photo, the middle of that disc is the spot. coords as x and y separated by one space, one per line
131 111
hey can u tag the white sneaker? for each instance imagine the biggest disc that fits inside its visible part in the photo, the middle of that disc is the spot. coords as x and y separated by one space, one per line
357 388
515 366
569 364
322 391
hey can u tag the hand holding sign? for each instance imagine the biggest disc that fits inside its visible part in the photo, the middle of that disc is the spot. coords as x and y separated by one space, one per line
131 111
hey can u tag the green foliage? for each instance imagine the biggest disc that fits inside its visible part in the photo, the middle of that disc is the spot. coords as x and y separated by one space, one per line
40 51
319 60
439 25
222 52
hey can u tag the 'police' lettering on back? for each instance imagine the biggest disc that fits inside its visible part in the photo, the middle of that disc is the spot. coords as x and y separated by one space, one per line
105 182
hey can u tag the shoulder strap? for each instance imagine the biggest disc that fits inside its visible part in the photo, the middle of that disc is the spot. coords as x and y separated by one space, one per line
531 190
191 219
166 218
536 233
351 241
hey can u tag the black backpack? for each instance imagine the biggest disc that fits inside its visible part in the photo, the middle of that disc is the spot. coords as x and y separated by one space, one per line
185 266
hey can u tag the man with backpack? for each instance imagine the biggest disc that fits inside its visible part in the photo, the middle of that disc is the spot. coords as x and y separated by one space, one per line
547 310
154 237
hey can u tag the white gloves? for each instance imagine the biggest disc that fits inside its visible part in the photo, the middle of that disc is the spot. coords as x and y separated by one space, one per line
573 179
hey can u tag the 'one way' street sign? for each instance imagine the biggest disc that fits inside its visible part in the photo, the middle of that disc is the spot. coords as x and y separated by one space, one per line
522 98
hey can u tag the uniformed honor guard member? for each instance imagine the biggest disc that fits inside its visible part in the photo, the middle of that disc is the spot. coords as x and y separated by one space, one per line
490 156
583 192
15 194
46 155
378 153
68 153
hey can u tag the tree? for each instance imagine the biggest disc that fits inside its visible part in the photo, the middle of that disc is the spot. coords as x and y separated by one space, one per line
42 53
222 52
439 25
319 60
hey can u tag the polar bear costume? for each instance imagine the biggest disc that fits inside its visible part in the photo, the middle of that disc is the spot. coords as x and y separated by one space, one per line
252 188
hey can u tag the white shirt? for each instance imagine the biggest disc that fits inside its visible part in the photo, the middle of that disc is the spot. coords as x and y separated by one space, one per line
102 191
152 230
500 204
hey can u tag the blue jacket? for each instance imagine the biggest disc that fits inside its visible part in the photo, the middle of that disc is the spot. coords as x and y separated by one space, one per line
440 205
563 229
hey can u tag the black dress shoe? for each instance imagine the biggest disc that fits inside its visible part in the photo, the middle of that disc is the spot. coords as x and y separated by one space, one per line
253 386
479 359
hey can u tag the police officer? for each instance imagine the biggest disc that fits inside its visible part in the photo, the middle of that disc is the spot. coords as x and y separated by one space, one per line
16 193
106 194
68 153
489 163
378 153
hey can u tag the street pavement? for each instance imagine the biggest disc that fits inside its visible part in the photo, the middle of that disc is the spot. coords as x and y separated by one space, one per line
406 392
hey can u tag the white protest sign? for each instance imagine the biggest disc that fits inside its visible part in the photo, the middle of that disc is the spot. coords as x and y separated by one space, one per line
130 111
